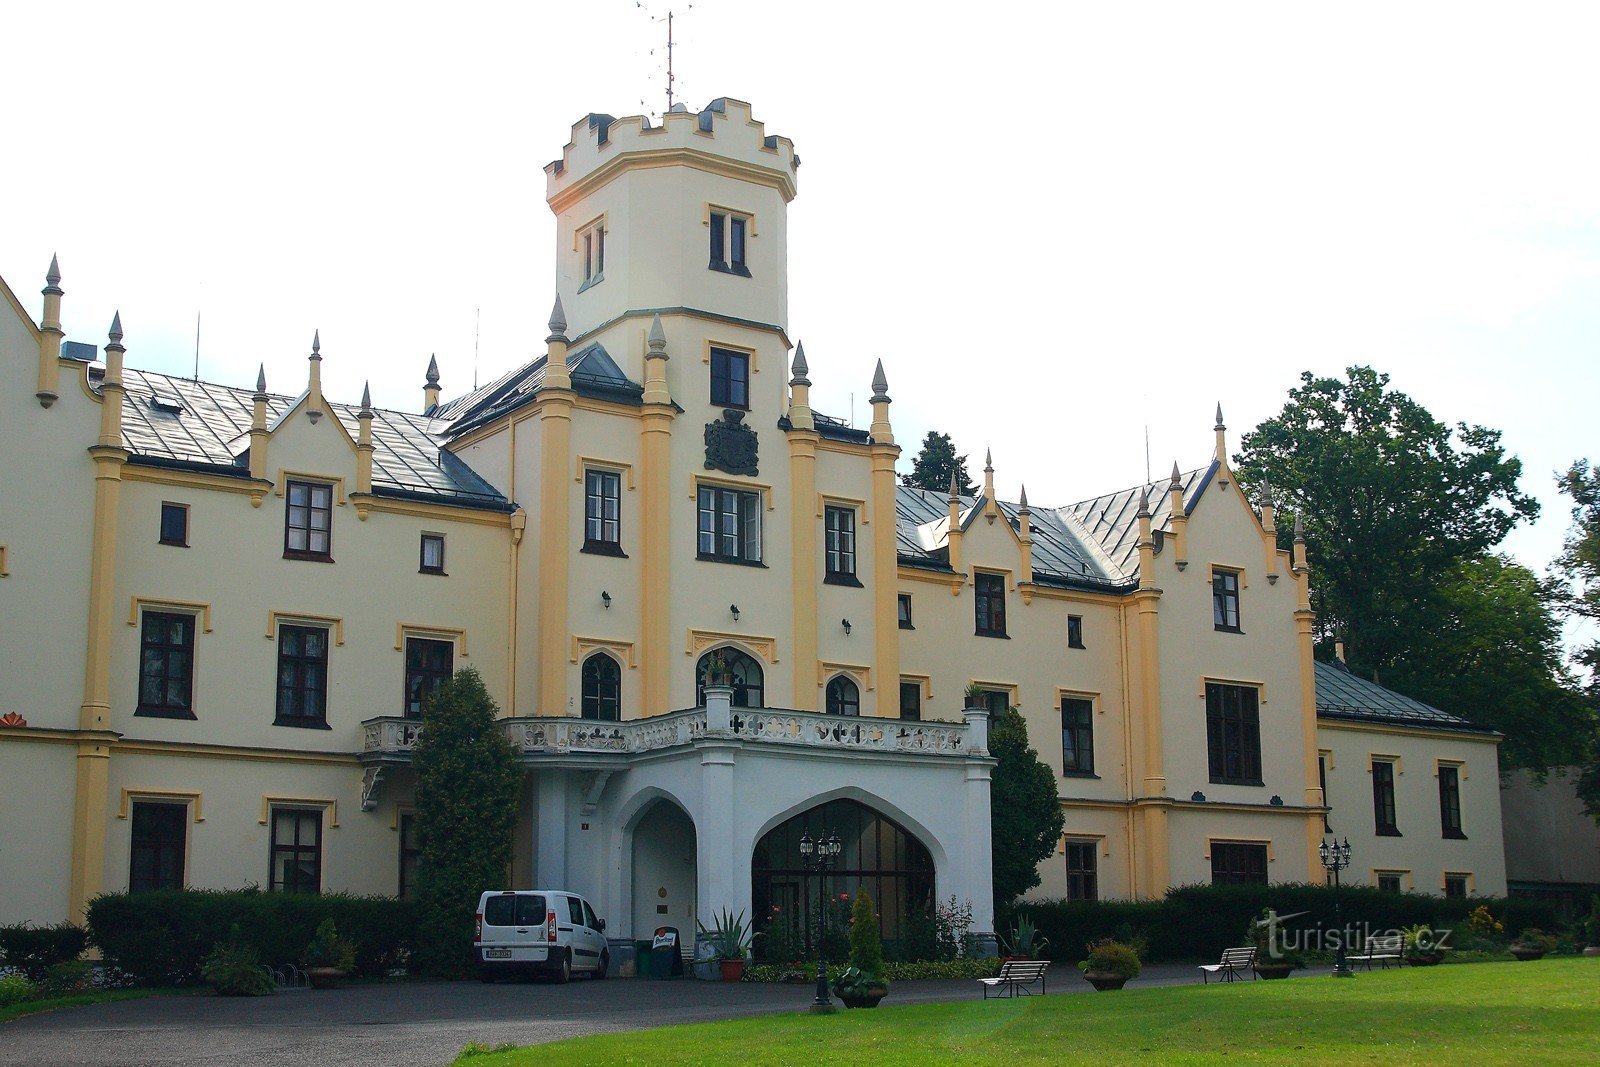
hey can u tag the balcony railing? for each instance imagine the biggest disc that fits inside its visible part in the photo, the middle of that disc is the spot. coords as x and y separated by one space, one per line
560 736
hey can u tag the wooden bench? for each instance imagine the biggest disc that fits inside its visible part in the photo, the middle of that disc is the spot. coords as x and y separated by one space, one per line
1383 949
1015 976
1235 961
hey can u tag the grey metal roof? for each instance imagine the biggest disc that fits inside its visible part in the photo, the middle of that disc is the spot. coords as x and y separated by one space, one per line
593 372
211 424
1112 520
1061 554
1343 695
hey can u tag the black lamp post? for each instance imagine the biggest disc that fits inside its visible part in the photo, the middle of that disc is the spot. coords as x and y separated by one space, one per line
1335 856
820 856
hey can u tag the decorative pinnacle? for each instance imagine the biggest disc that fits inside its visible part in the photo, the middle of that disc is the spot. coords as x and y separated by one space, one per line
880 385
658 335
1022 502
261 378
1219 425
954 496
366 398
1266 493
558 321
800 368
1144 503
116 328
988 461
316 343
1299 530
433 369
1177 479
52 277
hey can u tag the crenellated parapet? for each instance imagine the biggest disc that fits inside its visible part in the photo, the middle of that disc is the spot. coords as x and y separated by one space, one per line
722 137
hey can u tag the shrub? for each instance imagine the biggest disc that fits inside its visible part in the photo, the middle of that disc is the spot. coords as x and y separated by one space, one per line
234 970
1264 933
163 937
1111 957
33 950
866 944
68 977
328 949
1591 925
14 989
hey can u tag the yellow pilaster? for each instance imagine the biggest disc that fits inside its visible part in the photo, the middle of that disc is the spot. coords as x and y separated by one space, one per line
555 405
1269 529
364 445
258 427
1180 519
1025 535
91 803
885 587
1153 847
655 486
50 336
1304 617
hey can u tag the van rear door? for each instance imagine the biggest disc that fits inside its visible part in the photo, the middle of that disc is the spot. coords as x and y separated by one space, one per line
514 929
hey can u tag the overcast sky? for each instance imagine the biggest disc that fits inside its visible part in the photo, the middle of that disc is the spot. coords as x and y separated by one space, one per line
1056 223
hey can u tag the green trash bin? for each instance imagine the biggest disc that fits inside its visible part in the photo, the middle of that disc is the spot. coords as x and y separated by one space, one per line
641 959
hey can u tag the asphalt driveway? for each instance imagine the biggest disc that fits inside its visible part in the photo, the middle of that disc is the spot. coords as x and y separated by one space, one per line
417 1023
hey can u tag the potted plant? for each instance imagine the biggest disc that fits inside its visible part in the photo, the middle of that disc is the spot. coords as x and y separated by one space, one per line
1421 946
1024 941
1591 927
1532 944
717 672
861 985
1273 958
1110 964
974 697
329 957
730 941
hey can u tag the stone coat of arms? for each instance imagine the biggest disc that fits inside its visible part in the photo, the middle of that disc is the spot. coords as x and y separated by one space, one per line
730 444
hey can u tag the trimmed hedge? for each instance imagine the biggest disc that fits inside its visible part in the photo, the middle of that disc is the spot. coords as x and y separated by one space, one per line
1197 922
33 950
164 937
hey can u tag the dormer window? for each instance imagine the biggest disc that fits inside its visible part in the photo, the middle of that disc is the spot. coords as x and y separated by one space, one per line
591 245
729 233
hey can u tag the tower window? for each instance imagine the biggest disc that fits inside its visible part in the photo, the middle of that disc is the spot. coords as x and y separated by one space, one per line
730 378
602 512
175 524
592 246
729 233
841 554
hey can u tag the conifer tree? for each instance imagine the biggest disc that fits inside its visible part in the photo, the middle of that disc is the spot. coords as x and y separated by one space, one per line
931 469
1024 809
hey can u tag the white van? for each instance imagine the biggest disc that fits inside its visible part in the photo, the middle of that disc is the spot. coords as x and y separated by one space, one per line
546 930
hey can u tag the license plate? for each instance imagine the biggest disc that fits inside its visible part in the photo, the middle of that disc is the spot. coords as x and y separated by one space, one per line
497 954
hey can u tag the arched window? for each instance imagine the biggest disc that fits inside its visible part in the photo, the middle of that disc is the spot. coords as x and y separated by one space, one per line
602 688
742 671
877 853
844 698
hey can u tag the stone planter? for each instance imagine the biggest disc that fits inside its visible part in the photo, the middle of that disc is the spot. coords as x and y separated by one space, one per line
324 977
1527 952
869 998
1425 959
1592 950
731 970
1274 970
1104 980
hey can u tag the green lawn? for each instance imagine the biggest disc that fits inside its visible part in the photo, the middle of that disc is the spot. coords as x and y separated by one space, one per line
1492 1013
33 1007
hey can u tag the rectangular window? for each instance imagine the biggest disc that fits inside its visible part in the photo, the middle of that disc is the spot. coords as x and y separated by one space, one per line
429 664
158 846
728 234
1074 631
1233 733
175 525
1450 801
1390 882
905 611
730 525
911 700
841 554
989 602
296 851
1083 876
602 512
1383 813
1225 600
996 701
166 665
1322 780
432 554
308 521
730 378
410 856
1455 885
1235 863
1077 735
302 676
592 242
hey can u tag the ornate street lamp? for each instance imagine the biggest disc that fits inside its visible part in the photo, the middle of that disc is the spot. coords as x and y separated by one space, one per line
820 856
1335 856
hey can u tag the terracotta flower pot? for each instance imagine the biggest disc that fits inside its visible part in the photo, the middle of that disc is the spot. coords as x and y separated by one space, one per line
1425 959
324 977
732 970
1104 980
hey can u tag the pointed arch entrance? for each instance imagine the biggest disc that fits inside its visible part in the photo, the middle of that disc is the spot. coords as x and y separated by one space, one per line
879 853
665 853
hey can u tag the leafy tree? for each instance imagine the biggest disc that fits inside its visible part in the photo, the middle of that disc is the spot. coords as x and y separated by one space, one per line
1579 566
1024 811
1491 652
467 784
931 469
1391 499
